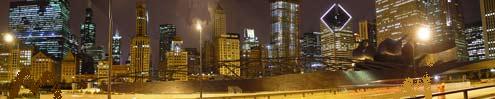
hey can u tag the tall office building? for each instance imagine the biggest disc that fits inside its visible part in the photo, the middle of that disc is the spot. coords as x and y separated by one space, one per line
367 32
41 64
208 57
311 44
140 46
219 29
337 39
219 22
68 71
167 33
248 42
397 18
192 60
228 52
116 52
475 41
88 31
447 25
311 50
488 21
43 23
285 28
250 55
177 61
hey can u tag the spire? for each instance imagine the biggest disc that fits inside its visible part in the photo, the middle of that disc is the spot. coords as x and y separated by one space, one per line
219 7
89 4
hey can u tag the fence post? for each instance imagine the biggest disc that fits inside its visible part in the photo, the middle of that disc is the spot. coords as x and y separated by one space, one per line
465 94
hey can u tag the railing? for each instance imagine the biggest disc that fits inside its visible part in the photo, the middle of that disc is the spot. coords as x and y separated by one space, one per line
464 91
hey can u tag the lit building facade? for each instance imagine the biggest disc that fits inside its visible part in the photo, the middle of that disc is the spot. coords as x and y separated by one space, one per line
116 52
102 71
475 41
18 58
311 44
311 50
219 29
397 18
488 22
447 25
337 39
140 46
229 50
250 55
177 61
249 41
167 33
4 66
117 70
41 63
285 28
367 32
68 70
43 23
88 31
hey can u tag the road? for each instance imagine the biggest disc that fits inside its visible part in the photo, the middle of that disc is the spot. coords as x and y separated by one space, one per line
375 93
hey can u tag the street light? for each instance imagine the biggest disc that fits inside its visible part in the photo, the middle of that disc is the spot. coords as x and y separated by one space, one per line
200 29
7 37
423 34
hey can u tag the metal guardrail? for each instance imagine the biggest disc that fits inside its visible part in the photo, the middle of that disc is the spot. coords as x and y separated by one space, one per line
464 91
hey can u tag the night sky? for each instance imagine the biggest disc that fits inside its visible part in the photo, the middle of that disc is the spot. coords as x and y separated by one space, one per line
240 14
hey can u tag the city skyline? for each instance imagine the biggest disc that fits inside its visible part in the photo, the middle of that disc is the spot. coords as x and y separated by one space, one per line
312 49
240 14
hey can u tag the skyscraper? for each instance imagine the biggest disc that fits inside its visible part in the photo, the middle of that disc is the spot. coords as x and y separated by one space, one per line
176 61
248 42
488 20
219 29
167 33
367 32
192 60
88 31
116 54
311 49
219 22
140 46
446 23
250 55
475 41
337 38
397 18
311 44
285 28
43 23
228 54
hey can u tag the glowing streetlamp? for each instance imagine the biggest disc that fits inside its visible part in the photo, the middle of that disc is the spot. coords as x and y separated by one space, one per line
423 34
7 37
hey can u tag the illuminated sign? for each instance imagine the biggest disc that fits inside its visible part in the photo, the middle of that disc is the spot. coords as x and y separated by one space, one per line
336 18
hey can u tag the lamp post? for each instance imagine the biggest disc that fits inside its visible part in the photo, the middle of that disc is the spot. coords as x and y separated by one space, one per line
200 29
10 38
422 34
